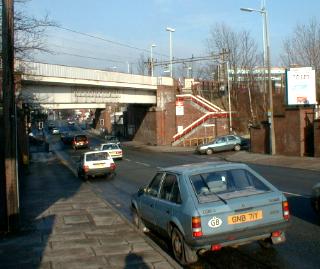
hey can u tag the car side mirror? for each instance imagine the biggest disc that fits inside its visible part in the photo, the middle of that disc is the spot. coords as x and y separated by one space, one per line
142 190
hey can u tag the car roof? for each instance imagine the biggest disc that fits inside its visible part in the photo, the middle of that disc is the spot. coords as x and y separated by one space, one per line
95 151
195 168
104 144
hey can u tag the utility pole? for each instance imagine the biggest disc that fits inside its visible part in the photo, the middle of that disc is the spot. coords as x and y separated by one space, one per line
9 117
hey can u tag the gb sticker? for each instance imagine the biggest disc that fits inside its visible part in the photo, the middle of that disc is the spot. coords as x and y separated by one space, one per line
215 222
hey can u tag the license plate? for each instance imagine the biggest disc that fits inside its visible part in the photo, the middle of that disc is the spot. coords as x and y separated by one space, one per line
99 165
245 217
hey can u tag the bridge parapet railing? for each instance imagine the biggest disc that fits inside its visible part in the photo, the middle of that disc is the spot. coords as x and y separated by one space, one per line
62 71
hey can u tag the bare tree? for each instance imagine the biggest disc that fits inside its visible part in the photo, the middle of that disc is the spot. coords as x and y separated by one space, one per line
29 31
142 65
243 56
303 47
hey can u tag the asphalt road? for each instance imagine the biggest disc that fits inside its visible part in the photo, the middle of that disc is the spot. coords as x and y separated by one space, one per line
302 249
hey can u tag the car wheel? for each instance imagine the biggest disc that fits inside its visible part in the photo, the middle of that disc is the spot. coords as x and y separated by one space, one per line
209 151
85 177
138 222
237 147
182 252
266 243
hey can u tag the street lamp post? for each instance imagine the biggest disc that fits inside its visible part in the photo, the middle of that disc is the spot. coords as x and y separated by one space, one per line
151 58
266 48
229 98
170 30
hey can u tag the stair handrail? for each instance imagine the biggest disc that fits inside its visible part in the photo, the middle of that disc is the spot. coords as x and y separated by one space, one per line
209 103
196 123
202 102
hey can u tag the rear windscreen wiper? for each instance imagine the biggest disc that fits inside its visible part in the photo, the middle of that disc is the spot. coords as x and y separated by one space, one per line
211 191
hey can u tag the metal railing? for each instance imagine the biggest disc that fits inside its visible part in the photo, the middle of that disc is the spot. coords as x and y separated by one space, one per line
70 72
201 102
198 122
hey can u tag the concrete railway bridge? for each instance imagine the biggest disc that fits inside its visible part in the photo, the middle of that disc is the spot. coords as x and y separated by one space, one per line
155 111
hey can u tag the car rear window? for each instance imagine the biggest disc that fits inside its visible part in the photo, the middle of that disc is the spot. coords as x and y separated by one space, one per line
111 146
97 156
239 181
81 138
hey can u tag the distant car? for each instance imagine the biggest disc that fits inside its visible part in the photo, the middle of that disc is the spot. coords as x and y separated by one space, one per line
112 139
51 126
80 141
95 163
222 143
55 130
114 150
207 206
315 197
66 137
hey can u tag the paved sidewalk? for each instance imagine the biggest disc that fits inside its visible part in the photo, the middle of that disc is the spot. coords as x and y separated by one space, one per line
66 225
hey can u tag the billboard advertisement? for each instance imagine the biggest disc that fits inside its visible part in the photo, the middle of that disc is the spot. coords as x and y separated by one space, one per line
301 86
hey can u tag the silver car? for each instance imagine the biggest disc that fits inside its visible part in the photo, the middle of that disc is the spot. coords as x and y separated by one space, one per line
221 143
207 206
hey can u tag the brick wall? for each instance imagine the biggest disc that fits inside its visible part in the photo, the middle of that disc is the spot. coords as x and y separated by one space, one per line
292 133
316 134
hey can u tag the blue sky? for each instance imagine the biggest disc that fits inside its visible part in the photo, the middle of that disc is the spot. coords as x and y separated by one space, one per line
142 22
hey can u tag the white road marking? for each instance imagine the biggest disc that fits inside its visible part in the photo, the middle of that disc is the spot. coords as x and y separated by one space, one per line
127 159
295 194
145 164
158 167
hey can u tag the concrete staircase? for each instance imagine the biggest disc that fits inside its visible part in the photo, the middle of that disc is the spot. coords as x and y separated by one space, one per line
210 111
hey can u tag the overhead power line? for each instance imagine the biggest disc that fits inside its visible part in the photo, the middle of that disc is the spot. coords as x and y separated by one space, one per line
107 40
213 57
89 57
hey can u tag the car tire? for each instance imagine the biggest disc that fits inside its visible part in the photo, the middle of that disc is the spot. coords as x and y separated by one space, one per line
137 221
85 177
209 151
237 147
266 243
182 252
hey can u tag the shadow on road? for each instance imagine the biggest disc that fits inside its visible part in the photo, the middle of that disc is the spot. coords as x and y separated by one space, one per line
300 207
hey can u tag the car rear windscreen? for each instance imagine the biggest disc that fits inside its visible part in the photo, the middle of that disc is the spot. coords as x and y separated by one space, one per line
227 181
81 138
98 156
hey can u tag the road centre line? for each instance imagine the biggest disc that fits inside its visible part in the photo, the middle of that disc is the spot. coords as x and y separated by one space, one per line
295 194
127 159
145 164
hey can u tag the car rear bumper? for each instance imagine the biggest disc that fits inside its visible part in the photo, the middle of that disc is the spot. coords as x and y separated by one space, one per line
238 237
116 156
99 171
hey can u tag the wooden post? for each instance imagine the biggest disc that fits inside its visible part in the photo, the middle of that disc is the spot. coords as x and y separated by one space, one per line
9 117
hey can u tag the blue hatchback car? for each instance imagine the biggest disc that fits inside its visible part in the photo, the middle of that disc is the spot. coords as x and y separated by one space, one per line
208 206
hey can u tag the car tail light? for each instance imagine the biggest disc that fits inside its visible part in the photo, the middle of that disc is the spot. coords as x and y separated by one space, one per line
276 234
112 166
196 227
285 210
86 168
86 141
216 247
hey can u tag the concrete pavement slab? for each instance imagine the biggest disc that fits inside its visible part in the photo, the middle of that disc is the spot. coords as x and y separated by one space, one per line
66 225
